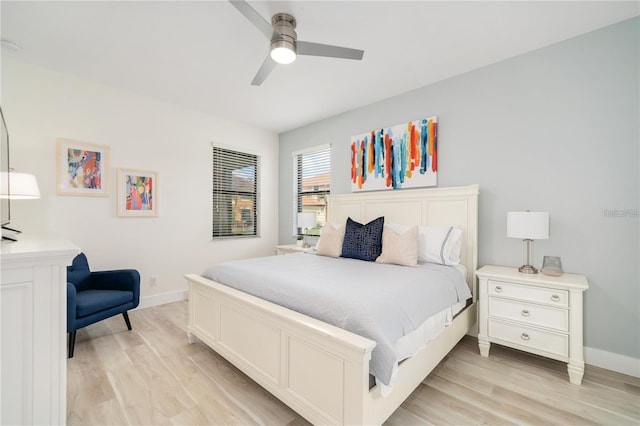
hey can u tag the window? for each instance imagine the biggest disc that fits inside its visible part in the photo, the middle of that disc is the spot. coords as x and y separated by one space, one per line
235 193
312 183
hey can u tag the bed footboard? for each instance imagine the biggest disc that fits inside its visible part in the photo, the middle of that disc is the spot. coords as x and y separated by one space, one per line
319 370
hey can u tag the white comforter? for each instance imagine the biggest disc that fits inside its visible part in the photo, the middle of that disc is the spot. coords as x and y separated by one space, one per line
379 301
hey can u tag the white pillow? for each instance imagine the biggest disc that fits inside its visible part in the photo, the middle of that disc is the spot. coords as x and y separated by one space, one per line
440 244
330 242
399 248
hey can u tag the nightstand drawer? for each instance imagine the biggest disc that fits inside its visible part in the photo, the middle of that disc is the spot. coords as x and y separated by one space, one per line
547 342
548 296
528 313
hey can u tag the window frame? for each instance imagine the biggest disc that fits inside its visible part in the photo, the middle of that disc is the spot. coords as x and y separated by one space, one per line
297 193
217 190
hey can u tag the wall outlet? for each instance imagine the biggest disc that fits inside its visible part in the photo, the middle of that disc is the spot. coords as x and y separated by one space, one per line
153 281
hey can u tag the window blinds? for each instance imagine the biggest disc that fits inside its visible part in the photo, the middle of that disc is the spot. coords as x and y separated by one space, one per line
235 193
312 183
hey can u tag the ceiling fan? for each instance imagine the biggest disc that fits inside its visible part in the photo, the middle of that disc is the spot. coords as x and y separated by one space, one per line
285 45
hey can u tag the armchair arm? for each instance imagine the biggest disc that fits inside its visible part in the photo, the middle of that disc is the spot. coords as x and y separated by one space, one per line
71 307
120 279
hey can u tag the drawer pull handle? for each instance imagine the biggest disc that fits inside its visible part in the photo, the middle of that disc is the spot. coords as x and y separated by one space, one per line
498 289
555 298
525 313
524 336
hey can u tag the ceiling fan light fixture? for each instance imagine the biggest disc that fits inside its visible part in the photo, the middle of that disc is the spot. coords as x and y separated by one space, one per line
283 51
284 41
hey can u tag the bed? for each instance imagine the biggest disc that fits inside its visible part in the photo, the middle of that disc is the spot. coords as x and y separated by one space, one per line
320 370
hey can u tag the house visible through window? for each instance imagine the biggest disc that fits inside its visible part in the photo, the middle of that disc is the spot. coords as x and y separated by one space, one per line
235 193
312 184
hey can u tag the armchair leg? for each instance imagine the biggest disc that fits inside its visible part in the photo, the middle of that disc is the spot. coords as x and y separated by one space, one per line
126 319
72 343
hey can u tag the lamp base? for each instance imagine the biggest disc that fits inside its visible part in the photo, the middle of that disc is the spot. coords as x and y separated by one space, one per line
527 269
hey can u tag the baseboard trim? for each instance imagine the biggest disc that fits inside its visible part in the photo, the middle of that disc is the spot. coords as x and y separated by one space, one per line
612 361
162 299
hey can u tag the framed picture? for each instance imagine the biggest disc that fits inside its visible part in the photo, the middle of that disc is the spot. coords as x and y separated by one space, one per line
82 168
396 157
137 193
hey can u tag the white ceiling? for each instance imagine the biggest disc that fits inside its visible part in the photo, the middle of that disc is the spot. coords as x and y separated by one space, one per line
204 54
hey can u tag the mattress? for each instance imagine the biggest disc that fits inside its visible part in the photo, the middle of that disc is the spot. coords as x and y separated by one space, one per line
379 301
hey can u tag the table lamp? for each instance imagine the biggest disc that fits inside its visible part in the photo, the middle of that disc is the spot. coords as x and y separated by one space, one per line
306 221
18 186
528 226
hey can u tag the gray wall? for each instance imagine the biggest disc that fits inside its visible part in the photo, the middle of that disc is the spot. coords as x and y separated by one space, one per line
553 130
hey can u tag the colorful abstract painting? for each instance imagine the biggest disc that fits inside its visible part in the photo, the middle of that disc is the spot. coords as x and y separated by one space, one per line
401 156
81 168
137 193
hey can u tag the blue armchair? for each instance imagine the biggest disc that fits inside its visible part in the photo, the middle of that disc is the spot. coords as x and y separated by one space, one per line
94 296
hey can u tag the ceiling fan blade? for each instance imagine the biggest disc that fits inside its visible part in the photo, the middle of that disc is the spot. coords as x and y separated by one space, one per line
254 17
317 49
267 66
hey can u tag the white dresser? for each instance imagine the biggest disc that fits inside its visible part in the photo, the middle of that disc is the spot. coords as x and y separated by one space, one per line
534 313
34 317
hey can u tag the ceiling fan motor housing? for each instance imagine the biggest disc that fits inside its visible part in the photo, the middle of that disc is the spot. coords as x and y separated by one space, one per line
284 31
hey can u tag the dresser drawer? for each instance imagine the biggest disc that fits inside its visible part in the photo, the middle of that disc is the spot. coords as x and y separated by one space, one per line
548 296
529 313
549 342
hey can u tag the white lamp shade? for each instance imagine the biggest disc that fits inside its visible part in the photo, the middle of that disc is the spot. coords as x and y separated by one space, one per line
18 186
528 225
306 220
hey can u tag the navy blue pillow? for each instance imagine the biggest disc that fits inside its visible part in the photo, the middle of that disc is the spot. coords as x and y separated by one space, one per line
363 242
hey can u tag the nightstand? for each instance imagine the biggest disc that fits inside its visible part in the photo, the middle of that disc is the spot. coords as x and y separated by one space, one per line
535 313
290 248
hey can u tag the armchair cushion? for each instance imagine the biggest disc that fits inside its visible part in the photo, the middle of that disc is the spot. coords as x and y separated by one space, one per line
91 301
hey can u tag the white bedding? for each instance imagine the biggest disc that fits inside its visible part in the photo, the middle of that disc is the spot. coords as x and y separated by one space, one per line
410 344
389 304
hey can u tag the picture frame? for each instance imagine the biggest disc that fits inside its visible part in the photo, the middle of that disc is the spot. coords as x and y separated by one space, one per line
396 157
82 168
137 193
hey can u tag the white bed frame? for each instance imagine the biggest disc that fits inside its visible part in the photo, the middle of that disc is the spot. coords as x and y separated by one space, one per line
321 371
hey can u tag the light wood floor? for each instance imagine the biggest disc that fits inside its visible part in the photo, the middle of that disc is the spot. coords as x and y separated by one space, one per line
153 376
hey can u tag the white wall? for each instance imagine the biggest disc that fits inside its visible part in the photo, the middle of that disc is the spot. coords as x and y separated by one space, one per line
555 130
41 105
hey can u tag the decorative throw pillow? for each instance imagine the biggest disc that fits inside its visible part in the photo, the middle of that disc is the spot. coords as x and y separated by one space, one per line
330 242
363 242
400 248
440 244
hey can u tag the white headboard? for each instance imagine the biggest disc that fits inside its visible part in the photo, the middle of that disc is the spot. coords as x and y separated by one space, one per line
455 206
